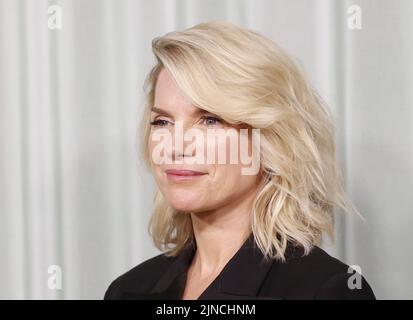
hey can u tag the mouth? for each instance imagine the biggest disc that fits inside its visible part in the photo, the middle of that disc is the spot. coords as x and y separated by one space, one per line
183 175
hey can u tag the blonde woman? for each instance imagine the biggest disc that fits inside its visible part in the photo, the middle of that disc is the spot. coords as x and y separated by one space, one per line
249 225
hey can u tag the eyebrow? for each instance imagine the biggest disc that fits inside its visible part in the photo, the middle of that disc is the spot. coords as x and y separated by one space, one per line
166 113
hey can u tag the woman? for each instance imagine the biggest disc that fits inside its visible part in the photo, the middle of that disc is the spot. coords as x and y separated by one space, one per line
229 229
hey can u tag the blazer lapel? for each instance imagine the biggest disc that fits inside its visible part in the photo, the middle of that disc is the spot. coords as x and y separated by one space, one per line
171 285
241 278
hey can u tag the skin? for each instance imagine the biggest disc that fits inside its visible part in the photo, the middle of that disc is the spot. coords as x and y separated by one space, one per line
219 201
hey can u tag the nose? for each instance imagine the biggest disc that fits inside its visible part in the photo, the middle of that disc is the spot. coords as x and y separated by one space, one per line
177 153
180 149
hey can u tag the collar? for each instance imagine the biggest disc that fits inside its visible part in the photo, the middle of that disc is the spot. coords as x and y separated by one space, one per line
241 277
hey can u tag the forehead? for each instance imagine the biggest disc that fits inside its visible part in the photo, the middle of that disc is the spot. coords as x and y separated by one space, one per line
169 97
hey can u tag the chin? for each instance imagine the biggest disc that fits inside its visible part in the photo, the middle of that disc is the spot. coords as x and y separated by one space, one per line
181 199
187 203
185 206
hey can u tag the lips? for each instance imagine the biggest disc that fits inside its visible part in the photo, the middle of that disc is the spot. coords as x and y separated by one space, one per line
183 174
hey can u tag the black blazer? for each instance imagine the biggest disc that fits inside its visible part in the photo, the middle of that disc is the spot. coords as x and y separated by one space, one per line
246 276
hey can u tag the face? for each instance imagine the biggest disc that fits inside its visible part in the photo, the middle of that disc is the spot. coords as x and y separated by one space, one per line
188 182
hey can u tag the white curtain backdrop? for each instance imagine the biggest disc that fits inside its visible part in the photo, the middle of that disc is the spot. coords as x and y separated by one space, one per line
73 192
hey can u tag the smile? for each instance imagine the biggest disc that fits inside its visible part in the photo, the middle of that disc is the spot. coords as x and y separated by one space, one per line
183 175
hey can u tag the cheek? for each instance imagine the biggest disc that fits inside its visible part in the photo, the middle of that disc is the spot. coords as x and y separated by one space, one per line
151 145
155 167
226 177
159 145
223 148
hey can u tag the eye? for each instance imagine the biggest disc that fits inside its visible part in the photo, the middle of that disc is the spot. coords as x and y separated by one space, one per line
159 122
211 121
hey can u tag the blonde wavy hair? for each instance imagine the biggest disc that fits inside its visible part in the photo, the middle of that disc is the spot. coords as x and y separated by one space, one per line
245 78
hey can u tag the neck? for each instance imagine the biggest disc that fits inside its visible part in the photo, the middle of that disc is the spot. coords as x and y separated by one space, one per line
220 233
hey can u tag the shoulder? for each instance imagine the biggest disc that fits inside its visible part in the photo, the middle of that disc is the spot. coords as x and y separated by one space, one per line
318 275
142 276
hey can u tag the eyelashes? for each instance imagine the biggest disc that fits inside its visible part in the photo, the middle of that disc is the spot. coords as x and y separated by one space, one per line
159 123
212 119
206 120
